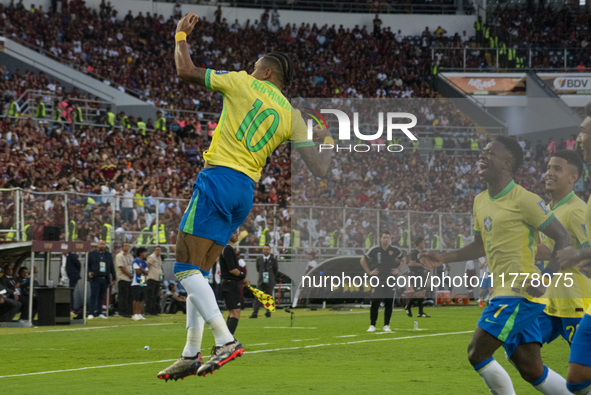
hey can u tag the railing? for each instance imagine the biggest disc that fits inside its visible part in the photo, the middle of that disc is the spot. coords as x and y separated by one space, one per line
491 59
27 104
329 231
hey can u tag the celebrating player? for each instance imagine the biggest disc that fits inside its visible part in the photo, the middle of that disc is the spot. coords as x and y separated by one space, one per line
256 118
569 295
579 367
506 220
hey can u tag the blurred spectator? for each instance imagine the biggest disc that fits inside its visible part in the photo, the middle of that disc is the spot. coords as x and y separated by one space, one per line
138 283
101 275
153 281
174 302
123 270
73 272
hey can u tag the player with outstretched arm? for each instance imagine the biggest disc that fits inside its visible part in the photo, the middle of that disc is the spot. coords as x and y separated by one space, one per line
256 118
507 219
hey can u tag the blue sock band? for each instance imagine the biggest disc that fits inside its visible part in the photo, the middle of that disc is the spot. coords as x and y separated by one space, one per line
184 270
541 379
483 364
574 387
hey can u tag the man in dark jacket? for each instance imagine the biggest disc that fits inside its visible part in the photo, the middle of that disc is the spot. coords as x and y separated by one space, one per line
101 274
268 273
73 271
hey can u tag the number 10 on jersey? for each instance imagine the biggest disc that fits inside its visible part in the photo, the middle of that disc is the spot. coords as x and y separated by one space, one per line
252 122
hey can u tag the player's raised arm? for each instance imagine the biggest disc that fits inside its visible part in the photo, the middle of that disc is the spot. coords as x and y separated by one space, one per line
316 158
185 68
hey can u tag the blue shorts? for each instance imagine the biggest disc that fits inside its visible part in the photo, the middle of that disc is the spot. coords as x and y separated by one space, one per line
580 351
551 327
504 318
222 199
485 282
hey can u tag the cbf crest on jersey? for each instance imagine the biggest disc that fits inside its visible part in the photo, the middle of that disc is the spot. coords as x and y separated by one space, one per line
543 206
488 224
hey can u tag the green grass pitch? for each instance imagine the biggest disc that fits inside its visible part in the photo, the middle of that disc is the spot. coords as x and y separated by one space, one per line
326 352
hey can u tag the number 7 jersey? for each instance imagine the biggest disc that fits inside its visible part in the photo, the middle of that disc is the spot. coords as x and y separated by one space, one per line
256 118
508 224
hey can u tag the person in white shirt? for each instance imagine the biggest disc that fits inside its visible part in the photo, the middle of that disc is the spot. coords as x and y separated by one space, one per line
127 203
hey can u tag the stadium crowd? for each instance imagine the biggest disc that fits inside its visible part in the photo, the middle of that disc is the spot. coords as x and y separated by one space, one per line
132 169
133 53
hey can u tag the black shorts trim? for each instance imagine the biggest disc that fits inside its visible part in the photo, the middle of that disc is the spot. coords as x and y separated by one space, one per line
138 293
231 293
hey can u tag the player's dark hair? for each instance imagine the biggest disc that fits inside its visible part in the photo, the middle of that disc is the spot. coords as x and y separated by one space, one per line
572 158
385 232
419 240
140 250
285 66
267 245
171 286
514 148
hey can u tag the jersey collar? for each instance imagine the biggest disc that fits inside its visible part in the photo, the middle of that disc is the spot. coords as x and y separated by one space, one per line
505 191
270 83
562 201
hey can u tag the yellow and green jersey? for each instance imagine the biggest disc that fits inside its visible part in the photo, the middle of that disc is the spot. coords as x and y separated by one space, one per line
256 118
563 300
588 221
508 224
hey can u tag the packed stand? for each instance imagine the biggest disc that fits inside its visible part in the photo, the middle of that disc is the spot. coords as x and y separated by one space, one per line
135 52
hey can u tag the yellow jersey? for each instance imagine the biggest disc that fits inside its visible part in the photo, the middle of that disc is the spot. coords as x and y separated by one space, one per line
508 224
256 118
588 218
562 300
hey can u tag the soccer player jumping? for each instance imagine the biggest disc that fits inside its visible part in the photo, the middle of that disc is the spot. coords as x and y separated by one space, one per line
507 219
256 118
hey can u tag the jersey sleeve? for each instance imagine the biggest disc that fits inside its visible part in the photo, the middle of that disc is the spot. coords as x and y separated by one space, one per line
535 211
224 81
299 131
578 229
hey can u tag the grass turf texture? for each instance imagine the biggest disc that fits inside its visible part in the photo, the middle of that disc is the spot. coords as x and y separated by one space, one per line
308 360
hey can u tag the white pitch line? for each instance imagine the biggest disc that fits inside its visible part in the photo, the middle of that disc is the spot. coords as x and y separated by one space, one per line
347 336
304 340
246 352
382 333
290 327
97 327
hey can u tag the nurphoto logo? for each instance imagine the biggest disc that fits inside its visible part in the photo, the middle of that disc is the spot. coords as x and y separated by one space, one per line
345 130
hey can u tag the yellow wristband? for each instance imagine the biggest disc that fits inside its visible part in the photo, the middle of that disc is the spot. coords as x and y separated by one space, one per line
328 140
180 36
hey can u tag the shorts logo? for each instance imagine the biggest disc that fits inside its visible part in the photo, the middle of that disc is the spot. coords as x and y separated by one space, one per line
488 224
543 207
489 321
221 72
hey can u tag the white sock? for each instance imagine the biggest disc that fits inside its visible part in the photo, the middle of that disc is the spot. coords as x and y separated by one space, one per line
552 383
495 377
195 324
201 295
